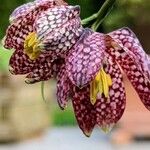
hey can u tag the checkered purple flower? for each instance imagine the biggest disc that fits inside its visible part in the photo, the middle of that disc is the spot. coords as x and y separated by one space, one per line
88 65
93 77
24 35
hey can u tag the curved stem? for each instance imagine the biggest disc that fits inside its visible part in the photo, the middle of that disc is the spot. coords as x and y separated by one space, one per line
87 20
102 13
42 91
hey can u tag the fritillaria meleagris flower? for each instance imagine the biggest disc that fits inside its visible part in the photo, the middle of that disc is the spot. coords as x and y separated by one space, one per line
27 31
94 67
91 71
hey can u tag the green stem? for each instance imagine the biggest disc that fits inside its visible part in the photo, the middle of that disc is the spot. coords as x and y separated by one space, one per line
102 13
42 91
89 19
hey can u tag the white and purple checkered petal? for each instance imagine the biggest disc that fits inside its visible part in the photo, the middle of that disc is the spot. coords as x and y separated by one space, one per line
45 22
39 1
63 88
59 29
20 63
62 39
110 110
44 69
54 20
140 83
18 30
24 9
16 34
129 42
43 1
21 11
84 111
86 58
51 3
57 2
134 73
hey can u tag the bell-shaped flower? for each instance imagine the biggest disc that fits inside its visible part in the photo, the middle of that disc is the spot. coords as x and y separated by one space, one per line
94 73
33 27
92 67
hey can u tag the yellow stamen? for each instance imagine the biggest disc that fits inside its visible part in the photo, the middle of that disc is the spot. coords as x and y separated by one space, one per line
115 45
100 85
93 91
107 128
105 83
109 80
31 46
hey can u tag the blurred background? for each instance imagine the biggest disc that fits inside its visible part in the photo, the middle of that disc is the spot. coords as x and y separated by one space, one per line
29 123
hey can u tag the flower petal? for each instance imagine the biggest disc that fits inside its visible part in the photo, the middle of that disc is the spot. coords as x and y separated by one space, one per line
84 110
63 88
60 2
129 42
17 31
135 74
20 63
137 78
85 59
22 11
57 2
55 19
109 110
45 67
59 28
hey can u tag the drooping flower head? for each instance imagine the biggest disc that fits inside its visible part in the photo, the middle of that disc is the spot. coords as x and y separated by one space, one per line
95 67
42 26
88 65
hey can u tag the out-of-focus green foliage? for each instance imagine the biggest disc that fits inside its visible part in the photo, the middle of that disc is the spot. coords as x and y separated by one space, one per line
4 59
128 13
133 14
60 118
88 7
138 9
6 7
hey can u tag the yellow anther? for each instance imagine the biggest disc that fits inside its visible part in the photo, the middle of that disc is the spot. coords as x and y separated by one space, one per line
115 45
31 47
93 92
100 85
107 128
105 83
109 79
